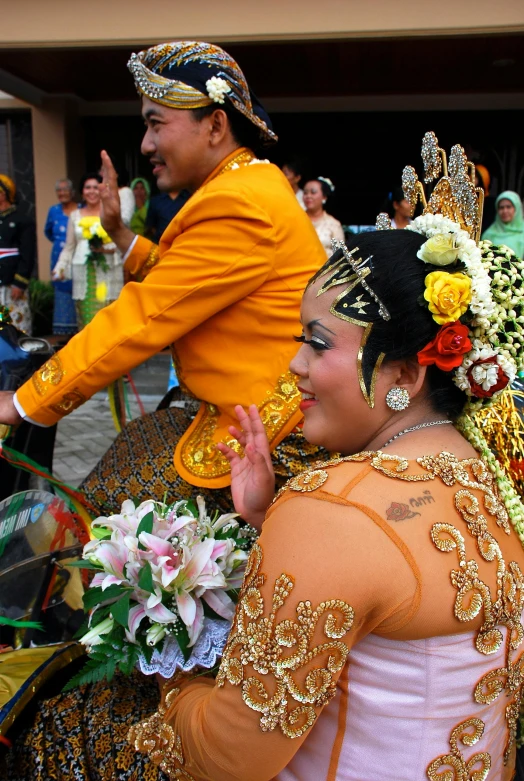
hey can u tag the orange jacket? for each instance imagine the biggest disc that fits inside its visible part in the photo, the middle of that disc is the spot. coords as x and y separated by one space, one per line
224 286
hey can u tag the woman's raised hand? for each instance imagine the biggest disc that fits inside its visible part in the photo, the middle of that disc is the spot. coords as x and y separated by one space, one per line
252 476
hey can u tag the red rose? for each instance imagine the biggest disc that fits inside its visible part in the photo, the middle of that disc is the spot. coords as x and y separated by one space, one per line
478 390
447 348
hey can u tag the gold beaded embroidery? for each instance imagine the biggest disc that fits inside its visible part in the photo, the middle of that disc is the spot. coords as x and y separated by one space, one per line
199 453
473 595
69 401
468 733
151 261
158 739
50 374
285 688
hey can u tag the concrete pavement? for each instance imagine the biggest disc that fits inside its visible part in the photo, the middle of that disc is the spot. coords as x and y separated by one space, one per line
85 435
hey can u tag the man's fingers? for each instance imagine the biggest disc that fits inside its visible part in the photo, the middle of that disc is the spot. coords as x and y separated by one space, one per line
108 169
228 452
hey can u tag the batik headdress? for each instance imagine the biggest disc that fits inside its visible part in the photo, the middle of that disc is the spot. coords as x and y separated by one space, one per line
193 74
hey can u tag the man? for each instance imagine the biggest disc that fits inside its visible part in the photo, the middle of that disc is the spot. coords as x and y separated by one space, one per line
17 256
162 209
224 286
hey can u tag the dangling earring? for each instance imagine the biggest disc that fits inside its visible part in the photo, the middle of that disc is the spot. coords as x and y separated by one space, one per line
324 201
397 399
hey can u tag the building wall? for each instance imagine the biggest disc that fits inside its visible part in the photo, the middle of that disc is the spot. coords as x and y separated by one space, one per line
128 21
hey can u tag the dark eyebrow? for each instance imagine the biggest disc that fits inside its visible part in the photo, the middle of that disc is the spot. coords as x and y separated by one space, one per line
151 112
317 322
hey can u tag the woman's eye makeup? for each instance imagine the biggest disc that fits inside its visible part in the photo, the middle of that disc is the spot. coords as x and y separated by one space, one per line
315 342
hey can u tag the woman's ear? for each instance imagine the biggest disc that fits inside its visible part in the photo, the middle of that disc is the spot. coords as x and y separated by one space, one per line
408 374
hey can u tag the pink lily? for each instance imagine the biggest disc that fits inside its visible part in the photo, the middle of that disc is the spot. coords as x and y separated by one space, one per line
136 614
220 603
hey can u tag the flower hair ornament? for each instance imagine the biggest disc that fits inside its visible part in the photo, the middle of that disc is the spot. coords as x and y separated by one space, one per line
475 294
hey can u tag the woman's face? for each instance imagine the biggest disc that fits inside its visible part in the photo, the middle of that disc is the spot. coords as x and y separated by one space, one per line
506 210
91 192
313 196
336 415
139 192
64 193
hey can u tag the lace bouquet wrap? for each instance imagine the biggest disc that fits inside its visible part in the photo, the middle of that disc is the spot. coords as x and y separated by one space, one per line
165 585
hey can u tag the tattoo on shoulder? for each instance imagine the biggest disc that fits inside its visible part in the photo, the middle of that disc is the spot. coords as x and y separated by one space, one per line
399 511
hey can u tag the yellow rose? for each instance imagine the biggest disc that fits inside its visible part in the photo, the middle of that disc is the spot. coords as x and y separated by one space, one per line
439 250
448 295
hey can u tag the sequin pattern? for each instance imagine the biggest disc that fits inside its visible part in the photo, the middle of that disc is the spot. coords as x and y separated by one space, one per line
48 376
473 595
477 768
158 740
275 662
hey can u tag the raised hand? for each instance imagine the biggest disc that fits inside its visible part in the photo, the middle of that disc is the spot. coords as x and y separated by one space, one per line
110 215
252 476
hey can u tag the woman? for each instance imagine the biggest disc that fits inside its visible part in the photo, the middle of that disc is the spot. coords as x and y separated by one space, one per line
64 314
142 192
508 228
17 256
89 257
316 193
401 552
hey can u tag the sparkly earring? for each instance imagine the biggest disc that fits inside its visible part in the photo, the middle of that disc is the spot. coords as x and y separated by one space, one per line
397 399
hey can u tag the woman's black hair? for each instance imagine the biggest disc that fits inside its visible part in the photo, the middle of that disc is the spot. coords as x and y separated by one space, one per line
327 192
397 278
243 130
89 175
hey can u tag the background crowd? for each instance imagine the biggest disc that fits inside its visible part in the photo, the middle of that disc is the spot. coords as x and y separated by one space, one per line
86 267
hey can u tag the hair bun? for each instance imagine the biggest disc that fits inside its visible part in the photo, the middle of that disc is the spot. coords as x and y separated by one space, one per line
327 182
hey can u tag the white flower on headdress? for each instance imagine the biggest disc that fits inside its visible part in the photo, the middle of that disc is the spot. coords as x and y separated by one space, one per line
328 182
217 88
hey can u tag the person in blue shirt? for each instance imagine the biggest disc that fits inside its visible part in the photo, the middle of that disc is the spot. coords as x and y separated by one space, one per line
64 313
162 209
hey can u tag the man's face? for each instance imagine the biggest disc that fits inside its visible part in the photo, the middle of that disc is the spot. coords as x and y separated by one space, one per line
177 145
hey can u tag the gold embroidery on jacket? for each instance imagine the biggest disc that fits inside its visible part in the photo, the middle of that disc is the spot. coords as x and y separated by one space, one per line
50 374
158 739
468 733
151 260
274 662
199 454
69 401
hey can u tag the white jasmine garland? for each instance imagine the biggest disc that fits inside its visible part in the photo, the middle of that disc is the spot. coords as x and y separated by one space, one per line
217 88
431 225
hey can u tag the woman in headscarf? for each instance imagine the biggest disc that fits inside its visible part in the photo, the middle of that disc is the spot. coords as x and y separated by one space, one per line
508 228
142 192
17 256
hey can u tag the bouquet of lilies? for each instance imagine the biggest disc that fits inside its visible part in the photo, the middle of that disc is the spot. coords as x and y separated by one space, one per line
159 570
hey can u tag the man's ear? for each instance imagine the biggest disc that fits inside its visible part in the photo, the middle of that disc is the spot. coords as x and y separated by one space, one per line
219 127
